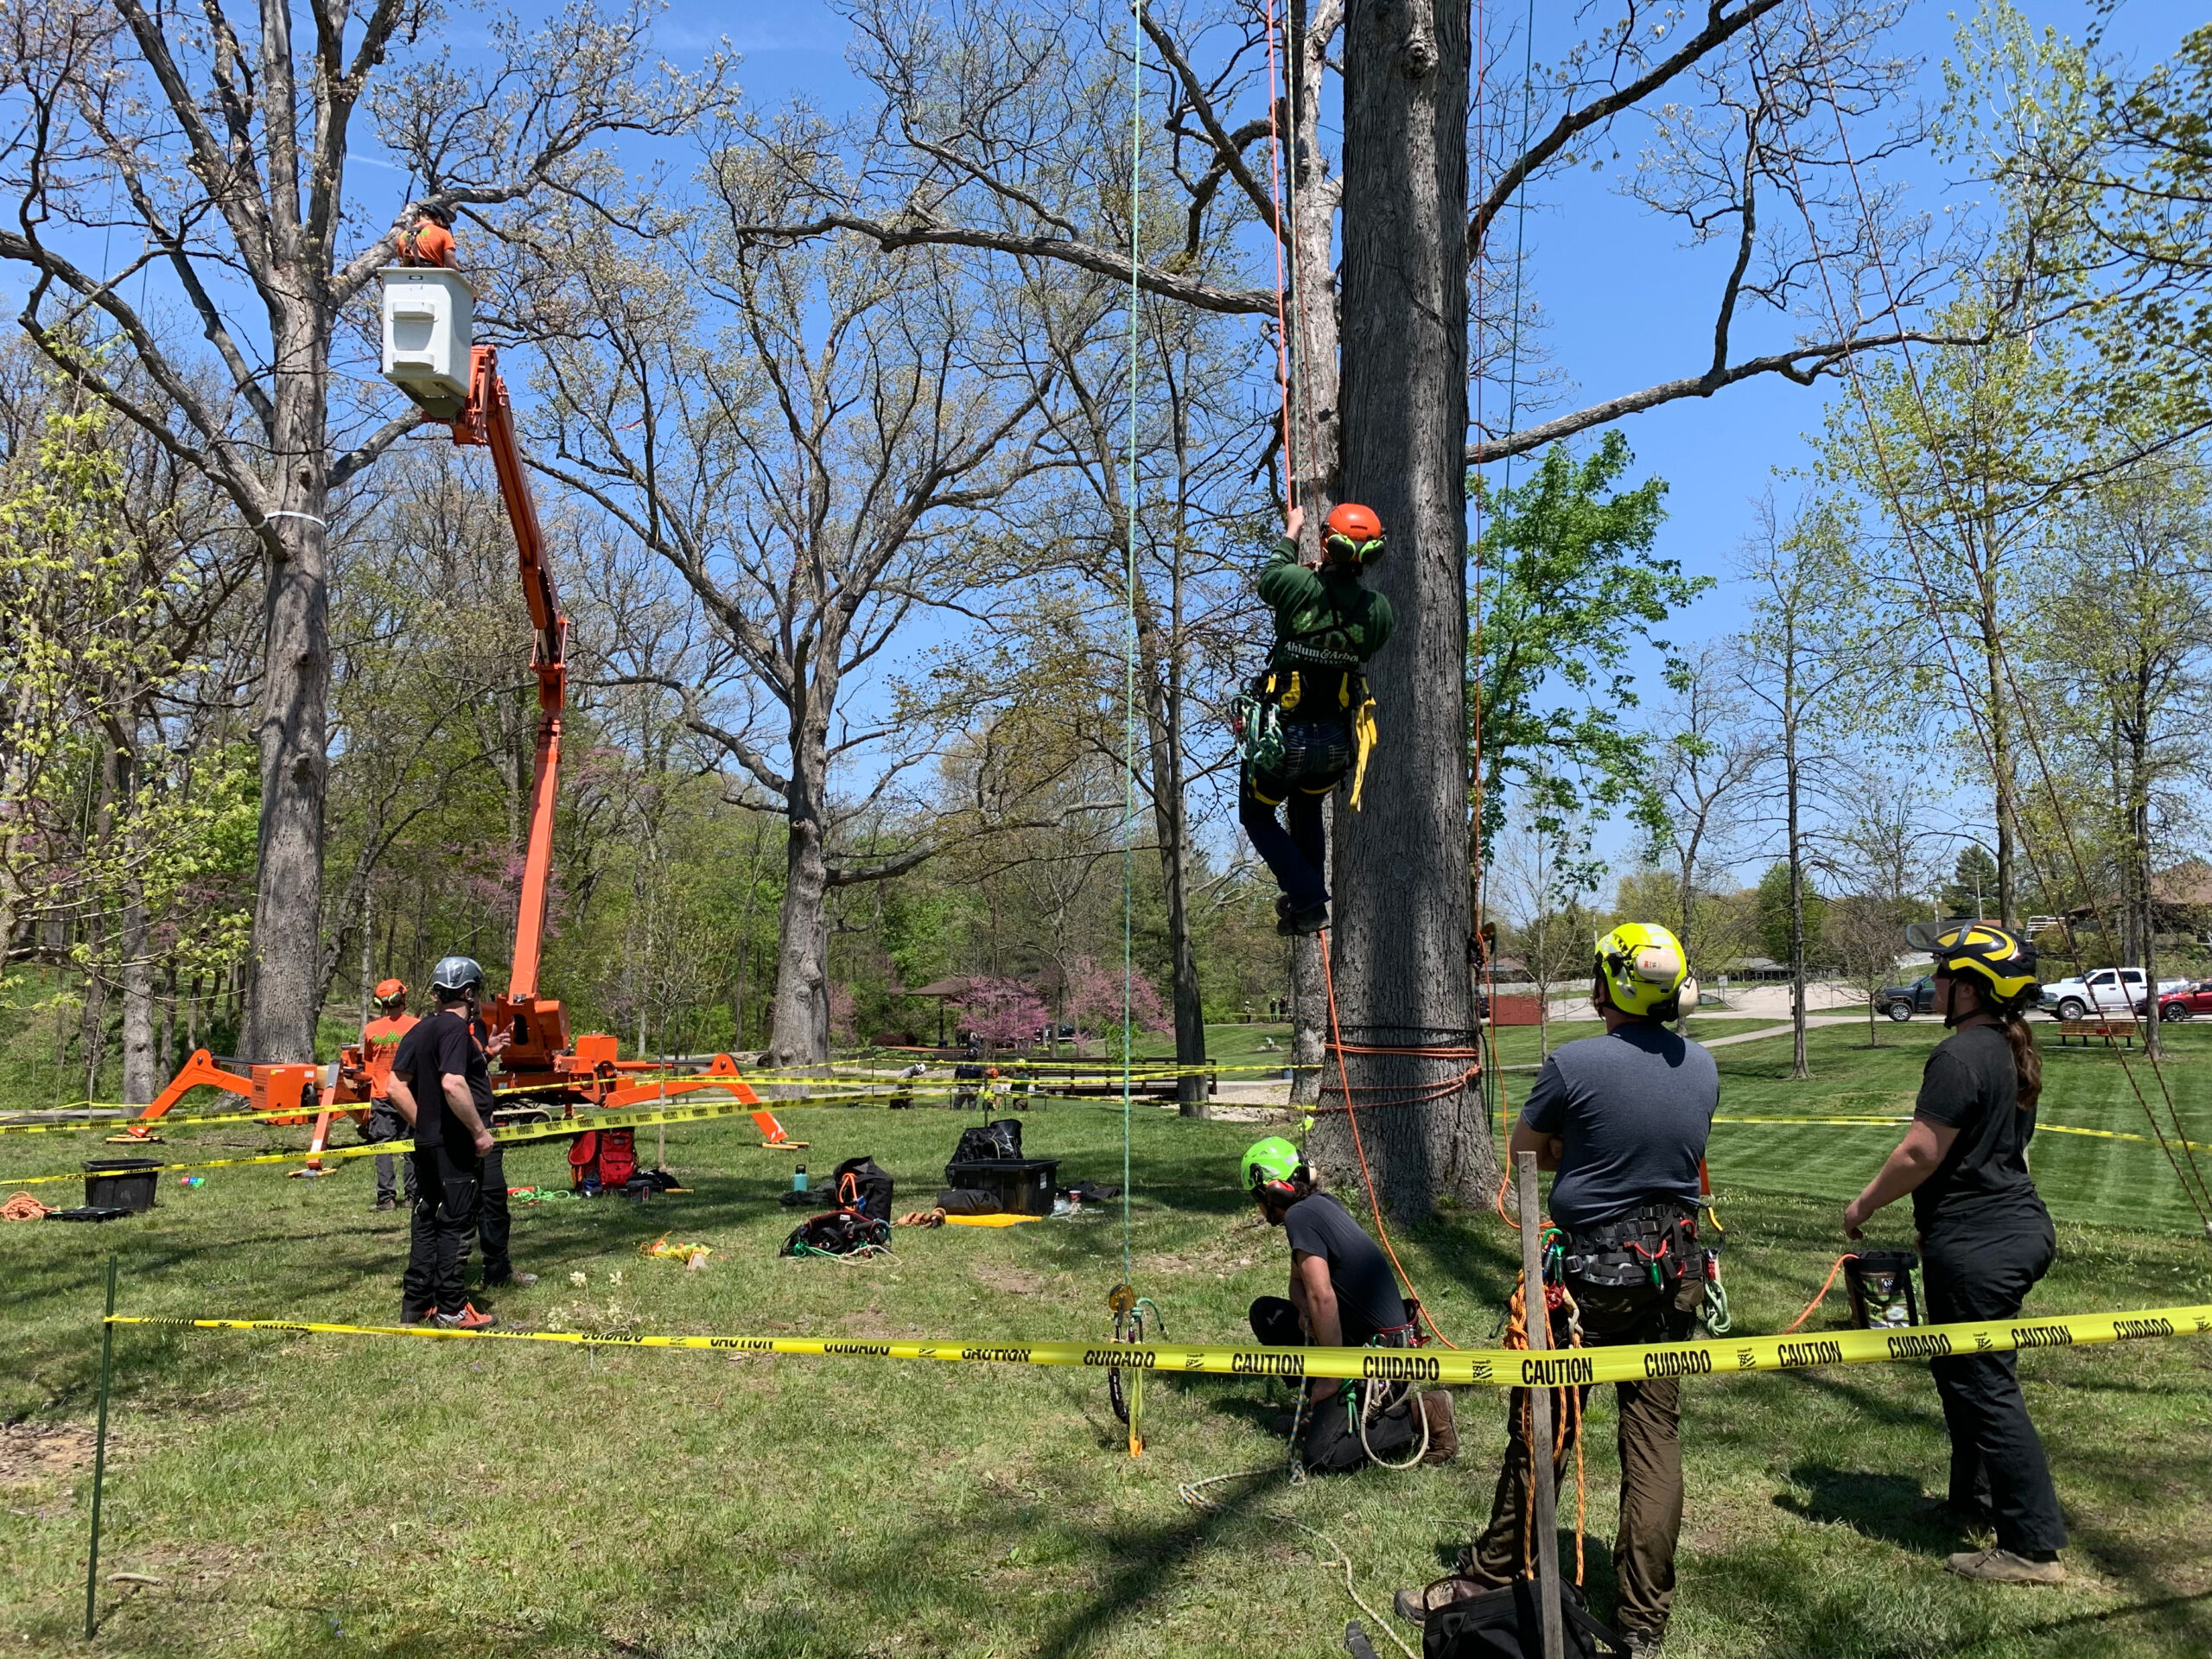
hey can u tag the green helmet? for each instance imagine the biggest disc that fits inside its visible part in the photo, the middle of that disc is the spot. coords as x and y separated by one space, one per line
1271 1162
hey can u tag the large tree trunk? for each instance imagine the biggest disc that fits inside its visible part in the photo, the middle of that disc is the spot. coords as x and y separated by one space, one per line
1171 821
1399 949
800 1033
140 1083
1163 667
1315 459
287 964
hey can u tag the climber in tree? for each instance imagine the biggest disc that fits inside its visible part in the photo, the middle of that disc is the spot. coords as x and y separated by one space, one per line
1307 723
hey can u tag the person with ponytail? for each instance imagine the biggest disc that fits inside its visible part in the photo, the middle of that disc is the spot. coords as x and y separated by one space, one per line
1985 1238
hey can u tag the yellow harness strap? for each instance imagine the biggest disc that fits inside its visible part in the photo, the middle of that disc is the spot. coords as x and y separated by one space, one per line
1295 696
1364 739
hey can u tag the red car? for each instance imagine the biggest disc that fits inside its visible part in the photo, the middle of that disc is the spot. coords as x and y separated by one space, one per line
2183 1005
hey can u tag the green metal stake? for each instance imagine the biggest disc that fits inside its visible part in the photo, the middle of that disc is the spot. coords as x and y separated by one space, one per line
99 1453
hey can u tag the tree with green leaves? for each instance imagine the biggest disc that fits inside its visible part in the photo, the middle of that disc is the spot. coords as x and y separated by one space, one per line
1562 652
1972 886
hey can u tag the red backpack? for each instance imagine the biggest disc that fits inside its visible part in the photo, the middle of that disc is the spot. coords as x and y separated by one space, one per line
607 1156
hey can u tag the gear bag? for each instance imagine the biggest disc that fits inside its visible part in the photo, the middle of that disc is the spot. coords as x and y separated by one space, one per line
838 1232
1879 1283
1001 1139
1507 1624
607 1157
859 1184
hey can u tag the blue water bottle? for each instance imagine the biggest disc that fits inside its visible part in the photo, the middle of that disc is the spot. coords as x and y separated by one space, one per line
798 1178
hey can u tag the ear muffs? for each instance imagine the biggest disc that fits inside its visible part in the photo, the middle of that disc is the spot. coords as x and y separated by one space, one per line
1346 551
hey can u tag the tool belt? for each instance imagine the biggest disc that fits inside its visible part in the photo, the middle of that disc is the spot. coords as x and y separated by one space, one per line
1295 733
1656 1245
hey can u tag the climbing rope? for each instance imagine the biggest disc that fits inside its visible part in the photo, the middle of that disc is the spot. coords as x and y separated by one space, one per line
1129 610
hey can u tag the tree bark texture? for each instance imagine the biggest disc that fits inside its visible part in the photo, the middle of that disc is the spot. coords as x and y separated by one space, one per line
1399 947
800 1033
286 978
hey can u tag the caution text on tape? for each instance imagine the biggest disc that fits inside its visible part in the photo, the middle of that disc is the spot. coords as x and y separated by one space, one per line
1489 1368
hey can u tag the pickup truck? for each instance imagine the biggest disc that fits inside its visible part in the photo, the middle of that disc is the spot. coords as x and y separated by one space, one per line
2106 991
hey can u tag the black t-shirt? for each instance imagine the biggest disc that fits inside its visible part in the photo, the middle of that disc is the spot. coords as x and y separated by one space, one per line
1983 1181
438 1046
1367 1292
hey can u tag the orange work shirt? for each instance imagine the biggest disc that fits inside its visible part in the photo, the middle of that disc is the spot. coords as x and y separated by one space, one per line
428 244
379 1047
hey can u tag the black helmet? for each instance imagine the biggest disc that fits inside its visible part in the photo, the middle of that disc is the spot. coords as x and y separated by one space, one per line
456 975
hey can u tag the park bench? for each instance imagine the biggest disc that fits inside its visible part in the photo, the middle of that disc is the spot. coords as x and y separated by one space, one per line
2090 1030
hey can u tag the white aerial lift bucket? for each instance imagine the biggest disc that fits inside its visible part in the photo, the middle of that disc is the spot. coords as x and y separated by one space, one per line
430 319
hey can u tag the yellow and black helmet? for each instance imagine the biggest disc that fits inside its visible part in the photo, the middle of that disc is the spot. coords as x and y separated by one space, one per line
2002 965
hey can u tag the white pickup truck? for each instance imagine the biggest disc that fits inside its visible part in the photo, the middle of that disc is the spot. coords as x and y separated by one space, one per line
2106 991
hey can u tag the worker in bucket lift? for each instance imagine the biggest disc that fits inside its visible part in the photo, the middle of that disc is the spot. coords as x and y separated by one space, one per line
1343 1294
379 1045
427 238
1624 1119
1985 1238
1307 723
442 1086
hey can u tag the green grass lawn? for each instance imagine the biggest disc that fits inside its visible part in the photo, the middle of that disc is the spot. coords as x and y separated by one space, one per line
326 1496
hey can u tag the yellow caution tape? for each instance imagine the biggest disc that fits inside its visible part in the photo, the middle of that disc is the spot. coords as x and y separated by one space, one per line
1494 1368
2041 1129
509 1134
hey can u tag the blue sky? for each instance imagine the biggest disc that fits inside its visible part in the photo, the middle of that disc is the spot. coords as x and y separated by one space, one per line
1625 304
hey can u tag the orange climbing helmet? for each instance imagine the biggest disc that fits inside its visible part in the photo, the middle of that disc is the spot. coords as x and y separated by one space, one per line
1355 534
389 991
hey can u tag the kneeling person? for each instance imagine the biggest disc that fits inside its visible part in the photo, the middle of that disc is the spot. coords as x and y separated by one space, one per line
1343 1294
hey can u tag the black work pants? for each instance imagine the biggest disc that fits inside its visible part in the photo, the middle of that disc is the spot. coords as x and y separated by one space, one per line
385 1124
493 1220
1997 1464
446 1189
1299 857
1649 1441
1332 1443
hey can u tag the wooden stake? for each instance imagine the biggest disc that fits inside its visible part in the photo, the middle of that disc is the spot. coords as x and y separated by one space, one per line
99 1453
1539 1448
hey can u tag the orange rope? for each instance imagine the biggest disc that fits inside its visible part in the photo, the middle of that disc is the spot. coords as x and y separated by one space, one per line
1827 1286
1351 1116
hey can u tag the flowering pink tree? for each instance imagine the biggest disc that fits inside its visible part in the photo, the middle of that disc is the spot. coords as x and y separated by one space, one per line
1094 999
842 1009
1003 1012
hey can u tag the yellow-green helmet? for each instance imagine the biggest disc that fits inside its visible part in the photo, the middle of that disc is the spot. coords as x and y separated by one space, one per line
1642 967
1271 1165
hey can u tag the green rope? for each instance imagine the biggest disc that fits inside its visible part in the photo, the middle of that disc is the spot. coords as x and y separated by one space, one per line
1129 613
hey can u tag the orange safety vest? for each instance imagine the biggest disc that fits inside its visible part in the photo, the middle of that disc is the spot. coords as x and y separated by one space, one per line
379 1048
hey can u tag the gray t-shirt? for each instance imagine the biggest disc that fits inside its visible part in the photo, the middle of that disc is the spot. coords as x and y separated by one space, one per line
1634 1107
1367 1291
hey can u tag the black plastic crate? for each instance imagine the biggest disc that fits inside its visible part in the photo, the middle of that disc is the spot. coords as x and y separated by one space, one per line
122 1183
1024 1186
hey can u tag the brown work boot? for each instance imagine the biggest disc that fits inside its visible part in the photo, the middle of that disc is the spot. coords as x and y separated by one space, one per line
1415 1605
1443 1429
2003 1567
